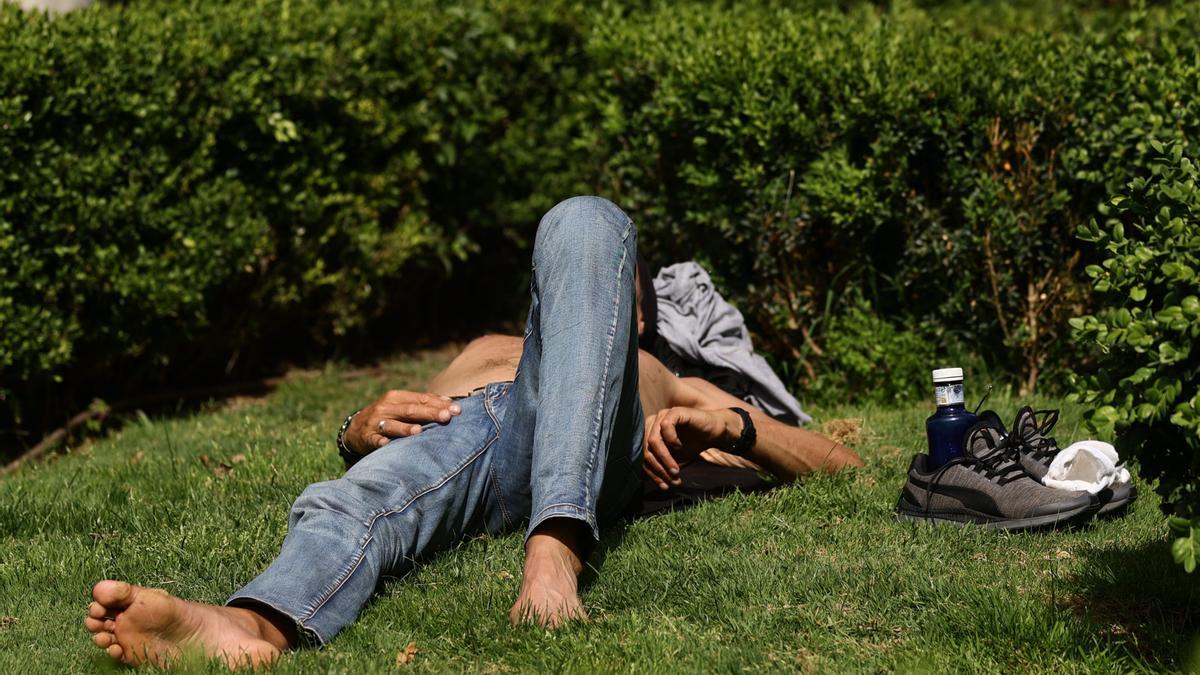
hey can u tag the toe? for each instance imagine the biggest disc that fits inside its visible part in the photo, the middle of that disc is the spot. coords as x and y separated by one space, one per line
113 594
115 651
520 613
93 625
97 611
104 639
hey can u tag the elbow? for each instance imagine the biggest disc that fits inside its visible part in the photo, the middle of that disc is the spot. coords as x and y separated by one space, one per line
840 458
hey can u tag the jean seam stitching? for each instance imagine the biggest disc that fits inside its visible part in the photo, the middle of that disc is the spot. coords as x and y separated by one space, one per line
599 417
362 549
499 498
345 575
487 407
528 330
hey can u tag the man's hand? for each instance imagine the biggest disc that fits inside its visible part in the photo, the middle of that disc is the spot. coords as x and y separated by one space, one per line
679 435
396 414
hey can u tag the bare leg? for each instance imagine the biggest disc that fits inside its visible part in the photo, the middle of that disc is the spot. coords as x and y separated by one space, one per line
550 582
138 625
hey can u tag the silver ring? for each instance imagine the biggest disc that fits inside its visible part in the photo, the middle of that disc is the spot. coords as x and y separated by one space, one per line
381 425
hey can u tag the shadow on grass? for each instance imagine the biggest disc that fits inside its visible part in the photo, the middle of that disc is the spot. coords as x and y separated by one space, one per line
611 538
1137 597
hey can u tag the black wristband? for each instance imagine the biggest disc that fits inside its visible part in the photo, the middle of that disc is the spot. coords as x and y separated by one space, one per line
745 443
348 455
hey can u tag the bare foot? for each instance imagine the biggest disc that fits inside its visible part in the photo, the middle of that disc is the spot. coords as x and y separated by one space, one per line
138 625
549 593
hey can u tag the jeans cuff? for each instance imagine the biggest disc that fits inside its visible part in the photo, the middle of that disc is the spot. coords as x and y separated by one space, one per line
308 637
565 510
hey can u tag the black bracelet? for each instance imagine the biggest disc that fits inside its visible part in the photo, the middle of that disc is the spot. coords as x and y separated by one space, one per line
745 443
348 455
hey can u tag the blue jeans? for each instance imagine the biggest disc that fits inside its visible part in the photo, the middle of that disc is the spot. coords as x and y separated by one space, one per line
563 440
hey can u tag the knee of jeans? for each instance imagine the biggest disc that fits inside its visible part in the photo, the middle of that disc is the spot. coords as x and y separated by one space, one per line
336 497
572 220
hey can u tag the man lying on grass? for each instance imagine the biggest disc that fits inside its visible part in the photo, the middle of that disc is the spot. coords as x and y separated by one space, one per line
552 433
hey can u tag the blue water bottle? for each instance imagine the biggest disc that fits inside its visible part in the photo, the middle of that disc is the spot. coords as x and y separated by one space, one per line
947 427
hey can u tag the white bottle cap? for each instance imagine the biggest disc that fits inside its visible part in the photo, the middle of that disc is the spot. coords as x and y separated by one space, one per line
947 375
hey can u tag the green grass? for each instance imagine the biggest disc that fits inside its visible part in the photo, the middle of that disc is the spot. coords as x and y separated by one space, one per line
815 576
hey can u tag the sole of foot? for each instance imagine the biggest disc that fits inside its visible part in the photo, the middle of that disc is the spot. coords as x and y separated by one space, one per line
137 626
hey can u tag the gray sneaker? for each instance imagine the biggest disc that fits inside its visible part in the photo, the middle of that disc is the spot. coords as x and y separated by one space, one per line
1030 437
987 486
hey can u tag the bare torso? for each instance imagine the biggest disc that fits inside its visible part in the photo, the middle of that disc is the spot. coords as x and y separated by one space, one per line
491 358
494 358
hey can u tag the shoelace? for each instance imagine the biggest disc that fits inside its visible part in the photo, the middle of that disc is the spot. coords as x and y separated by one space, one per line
1037 441
991 466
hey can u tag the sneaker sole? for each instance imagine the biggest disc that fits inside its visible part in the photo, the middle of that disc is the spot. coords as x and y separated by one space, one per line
909 512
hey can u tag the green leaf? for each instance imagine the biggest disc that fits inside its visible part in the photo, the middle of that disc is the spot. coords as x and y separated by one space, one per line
1179 525
1184 551
1137 293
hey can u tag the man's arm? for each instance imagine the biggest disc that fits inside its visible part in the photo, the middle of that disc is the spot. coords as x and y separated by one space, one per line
700 421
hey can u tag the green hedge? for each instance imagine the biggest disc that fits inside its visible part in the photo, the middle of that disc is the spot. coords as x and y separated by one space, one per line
211 187
1147 335
813 158
199 190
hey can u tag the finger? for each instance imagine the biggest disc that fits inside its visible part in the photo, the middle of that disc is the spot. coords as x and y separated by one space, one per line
402 396
449 403
654 470
670 433
423 399
395 428
416 412
666 458
663 458
650 463
667 461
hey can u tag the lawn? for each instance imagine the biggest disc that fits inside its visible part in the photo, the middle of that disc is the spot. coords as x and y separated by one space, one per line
814 576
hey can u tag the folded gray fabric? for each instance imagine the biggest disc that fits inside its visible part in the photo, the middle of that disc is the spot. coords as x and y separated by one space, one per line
697 323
